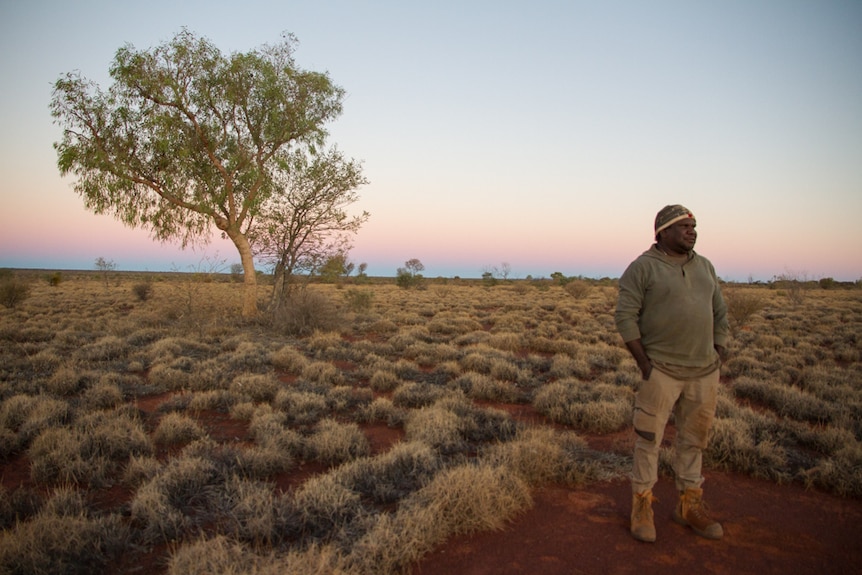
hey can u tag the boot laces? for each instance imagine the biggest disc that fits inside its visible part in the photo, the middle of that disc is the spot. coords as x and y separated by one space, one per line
643 505
697 507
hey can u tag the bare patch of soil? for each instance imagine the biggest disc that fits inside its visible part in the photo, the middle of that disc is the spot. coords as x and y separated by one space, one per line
768 529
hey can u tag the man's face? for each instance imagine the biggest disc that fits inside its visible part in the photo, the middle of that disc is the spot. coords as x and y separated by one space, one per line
681 236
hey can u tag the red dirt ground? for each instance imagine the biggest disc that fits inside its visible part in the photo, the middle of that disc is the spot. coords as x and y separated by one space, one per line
769 528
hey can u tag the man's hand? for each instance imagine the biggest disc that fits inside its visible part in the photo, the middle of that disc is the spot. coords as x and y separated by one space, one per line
638 352
722 352
646 369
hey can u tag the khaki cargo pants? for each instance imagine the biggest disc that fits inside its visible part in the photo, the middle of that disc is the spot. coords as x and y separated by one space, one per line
692 402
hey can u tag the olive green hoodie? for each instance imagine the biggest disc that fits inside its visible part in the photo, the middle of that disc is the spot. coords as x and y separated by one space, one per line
676 310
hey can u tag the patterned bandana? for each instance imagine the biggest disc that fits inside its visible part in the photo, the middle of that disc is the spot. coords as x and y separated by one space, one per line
669 215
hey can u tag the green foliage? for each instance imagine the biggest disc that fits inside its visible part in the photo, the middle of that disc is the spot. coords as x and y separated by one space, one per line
409 276
152 149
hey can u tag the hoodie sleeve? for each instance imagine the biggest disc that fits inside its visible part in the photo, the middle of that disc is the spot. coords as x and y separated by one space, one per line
630 302
720 325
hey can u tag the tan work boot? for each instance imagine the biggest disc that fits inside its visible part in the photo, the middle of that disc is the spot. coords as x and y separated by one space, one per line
691 510
643 526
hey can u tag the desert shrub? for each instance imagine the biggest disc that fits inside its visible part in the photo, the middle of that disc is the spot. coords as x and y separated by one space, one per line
479 386
324 344
105 349
784 400
733 445
413 394
165 504
51 544
177 428
436 426
840 474
55 279
58 456
268 430
65 501
65 381
15 410
391 476
8 444
603 356
305 311
342 398
563 365
322 372
593 407
578 289
255 386
143 290
168 378
384 380
13 291
460 500
217 400
44 413
742 304
359 300
103 395
301 407
333 442
140 469
479 424
322 507
537 455
289 359
114 434
381 409
261 461
251 507
222 555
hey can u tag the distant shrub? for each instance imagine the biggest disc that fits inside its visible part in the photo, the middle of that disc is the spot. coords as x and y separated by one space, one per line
143 290
13 291
742 305
359 300
305 312
55 279
578 288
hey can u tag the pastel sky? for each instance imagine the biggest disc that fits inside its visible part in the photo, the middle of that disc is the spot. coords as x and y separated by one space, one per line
544 134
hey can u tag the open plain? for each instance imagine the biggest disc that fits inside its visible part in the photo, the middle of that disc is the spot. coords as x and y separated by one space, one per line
455 427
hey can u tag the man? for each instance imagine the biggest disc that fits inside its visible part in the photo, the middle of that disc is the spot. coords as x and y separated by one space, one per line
673 320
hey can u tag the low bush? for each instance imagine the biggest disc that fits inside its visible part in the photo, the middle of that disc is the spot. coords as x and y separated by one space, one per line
13 291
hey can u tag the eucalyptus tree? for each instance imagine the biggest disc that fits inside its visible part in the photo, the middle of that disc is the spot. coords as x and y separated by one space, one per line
187 138
308 222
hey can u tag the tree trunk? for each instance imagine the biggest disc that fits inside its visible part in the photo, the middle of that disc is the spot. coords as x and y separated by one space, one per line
277 296
249 299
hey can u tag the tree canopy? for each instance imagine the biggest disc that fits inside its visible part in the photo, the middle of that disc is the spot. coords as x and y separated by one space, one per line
308 224
187 138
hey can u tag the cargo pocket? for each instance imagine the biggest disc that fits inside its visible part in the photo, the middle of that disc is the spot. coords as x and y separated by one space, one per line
644 423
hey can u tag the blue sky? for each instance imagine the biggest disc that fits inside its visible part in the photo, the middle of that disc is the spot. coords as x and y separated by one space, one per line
542 134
